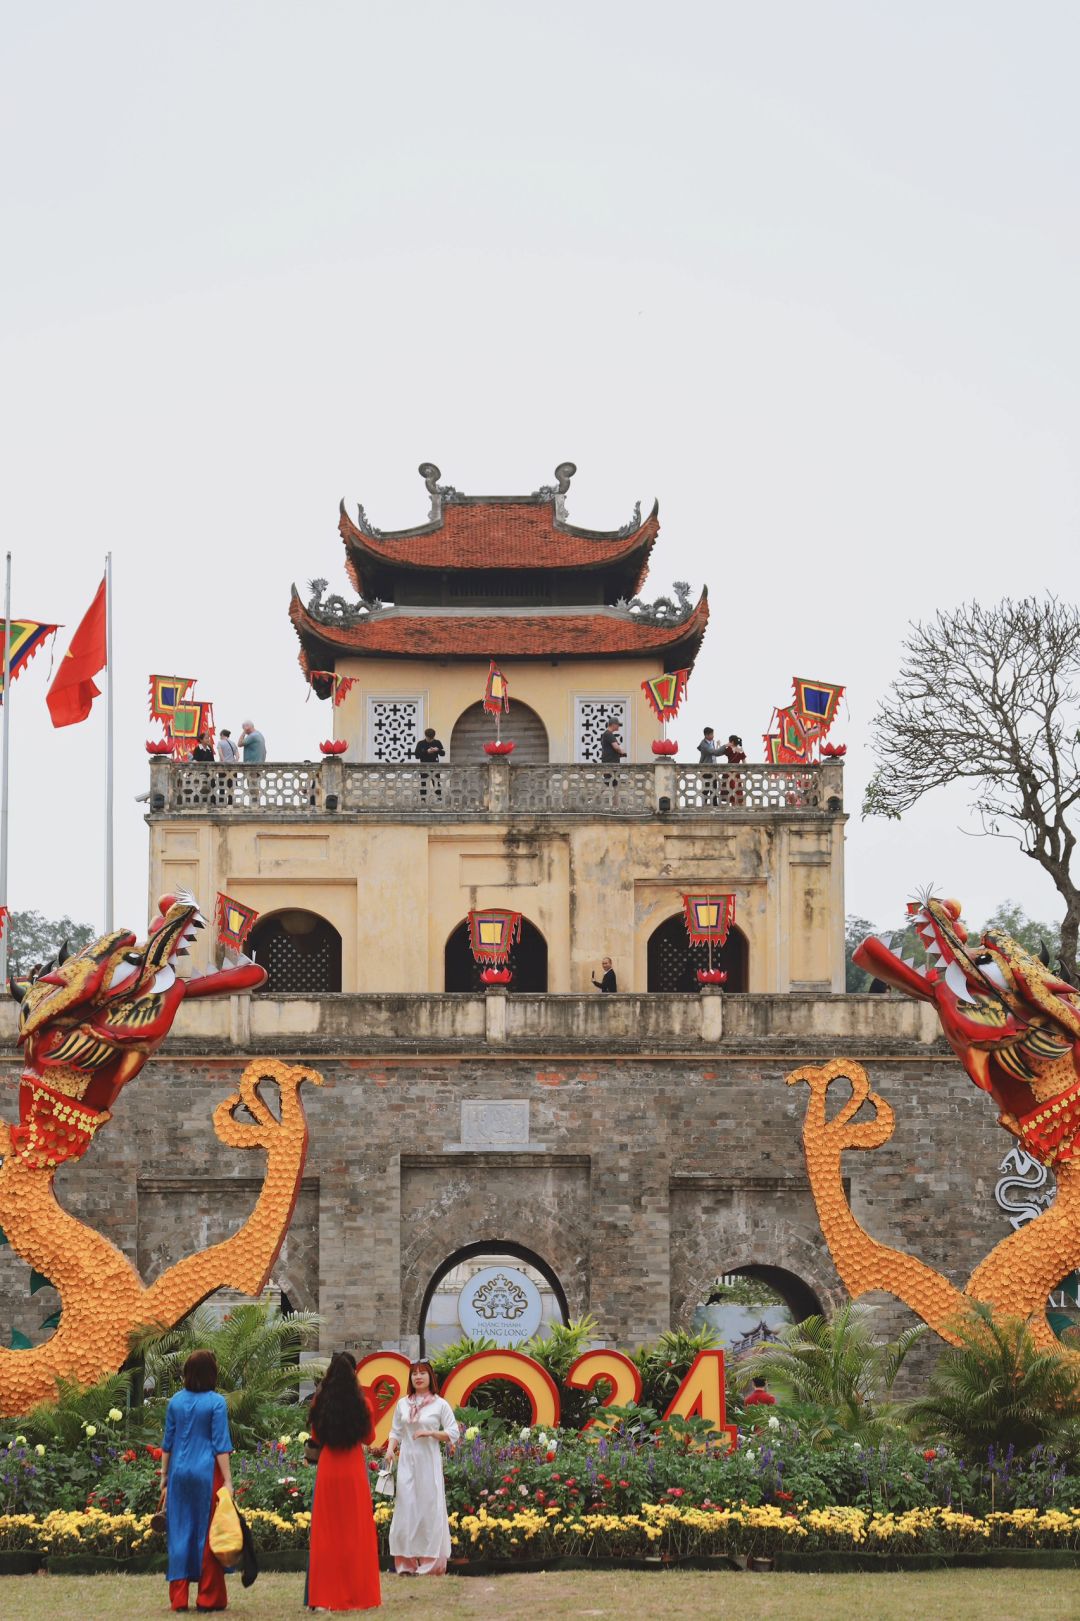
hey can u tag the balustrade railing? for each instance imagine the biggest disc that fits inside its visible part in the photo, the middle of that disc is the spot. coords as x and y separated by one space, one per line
500 790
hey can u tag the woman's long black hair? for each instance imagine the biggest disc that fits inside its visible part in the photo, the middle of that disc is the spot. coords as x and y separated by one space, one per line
340 1414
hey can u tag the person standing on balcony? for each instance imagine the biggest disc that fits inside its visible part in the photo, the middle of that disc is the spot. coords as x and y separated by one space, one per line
609 982
204 749
708 749
227 751
429 751
252 744
611 750
736 755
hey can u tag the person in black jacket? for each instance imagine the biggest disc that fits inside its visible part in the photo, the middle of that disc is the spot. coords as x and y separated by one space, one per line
609 982
429 751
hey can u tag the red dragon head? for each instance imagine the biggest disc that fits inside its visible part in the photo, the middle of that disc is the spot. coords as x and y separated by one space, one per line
1013 1024
88 1022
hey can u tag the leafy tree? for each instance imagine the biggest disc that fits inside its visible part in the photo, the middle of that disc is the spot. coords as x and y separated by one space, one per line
991 697
34 938
835 1370
256 1349
999 1389
1010 918
856 930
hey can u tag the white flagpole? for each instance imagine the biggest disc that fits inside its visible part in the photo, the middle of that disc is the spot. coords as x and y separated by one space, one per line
4 771
108 746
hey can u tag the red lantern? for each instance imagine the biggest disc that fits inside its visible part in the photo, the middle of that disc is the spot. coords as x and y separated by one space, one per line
499 748
337 747
665 745
496 976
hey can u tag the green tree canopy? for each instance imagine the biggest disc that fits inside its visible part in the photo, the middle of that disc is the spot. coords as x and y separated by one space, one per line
34 938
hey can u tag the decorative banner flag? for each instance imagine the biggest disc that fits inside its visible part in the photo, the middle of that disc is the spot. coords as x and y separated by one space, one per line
3 920
189 722
771 741
665 693
492 933
708 918
167 692
234 922
816 702
27 636
497 692
339 685
795 738
71 696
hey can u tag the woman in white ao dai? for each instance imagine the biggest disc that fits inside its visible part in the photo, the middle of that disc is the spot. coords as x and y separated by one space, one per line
420 1530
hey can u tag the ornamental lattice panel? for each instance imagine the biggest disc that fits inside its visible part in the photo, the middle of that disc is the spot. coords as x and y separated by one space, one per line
591 715
395 725
627 790
239 787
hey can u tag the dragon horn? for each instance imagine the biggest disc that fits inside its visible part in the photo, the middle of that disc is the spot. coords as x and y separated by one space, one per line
18 991
1044 953
63 954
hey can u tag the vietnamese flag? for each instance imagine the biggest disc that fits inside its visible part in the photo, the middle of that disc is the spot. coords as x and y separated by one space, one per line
73 691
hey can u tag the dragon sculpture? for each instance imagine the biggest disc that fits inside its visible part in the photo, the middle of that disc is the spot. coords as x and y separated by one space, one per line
1015 1028
87 1025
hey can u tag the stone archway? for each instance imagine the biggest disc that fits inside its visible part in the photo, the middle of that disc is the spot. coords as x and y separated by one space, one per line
528 961
513 1255
474 727
673 962
300 951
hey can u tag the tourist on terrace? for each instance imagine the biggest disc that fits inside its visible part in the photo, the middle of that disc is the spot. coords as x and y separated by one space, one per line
195 1464
429 751
204 749
252 744
736 754
609 982
420 1530
227 751
611 750
343 1564
708 748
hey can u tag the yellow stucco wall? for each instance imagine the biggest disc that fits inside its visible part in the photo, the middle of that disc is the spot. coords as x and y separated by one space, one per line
395 891
552 688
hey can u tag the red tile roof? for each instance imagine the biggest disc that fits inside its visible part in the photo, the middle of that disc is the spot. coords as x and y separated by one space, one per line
590 634
493 534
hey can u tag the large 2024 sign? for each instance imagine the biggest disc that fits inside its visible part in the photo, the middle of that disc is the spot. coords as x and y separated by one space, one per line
701 1394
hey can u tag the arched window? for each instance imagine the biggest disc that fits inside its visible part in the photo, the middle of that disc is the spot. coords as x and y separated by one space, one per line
674 962
528 961
479 1291
474 727
300 951
752 1304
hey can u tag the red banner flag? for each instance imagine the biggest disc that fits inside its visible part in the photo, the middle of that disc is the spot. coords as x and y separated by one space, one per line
73 691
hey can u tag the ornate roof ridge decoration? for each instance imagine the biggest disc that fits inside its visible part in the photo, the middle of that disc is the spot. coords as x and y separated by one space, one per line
663 610
334 610
446 495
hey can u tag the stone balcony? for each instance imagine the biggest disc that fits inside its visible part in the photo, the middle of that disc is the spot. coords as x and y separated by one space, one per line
497 789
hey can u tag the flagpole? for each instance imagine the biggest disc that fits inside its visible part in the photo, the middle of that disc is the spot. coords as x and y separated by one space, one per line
108 746
4 772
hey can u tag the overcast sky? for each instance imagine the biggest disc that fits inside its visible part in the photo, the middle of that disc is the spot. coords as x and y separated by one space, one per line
806 272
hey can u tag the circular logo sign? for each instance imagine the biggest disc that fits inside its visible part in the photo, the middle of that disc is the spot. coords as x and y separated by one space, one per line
500 1303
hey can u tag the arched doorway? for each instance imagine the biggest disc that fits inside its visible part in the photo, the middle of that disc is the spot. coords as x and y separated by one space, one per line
673 962
300 951
495 1278
474 727
750 1305
527 961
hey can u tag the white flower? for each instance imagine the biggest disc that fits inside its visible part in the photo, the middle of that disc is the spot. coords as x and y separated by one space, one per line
303 1436
774 1423
553 1443
542 1441
115 1415
749 1454
472 1432
525 1434
91 1431
40 1450
524 1490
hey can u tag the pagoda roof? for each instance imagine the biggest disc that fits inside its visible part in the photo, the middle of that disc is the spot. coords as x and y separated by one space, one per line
512 532
506 633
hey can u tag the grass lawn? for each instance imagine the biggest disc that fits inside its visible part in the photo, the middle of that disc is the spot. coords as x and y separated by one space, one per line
963 1595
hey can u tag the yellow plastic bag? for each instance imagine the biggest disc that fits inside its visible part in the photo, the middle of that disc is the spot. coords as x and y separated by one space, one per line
226 1537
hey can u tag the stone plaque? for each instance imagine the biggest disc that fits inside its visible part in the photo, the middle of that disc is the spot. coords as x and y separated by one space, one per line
494 1124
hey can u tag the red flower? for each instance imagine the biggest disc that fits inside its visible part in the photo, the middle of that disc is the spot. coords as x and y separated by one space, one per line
930 1455
675 1491
549 1457
624 1483
556 1477
572 1480
784 1497
130 1455
155 1453
500 1491
508 1480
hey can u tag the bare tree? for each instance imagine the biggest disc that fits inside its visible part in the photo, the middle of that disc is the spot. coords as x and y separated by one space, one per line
991 696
